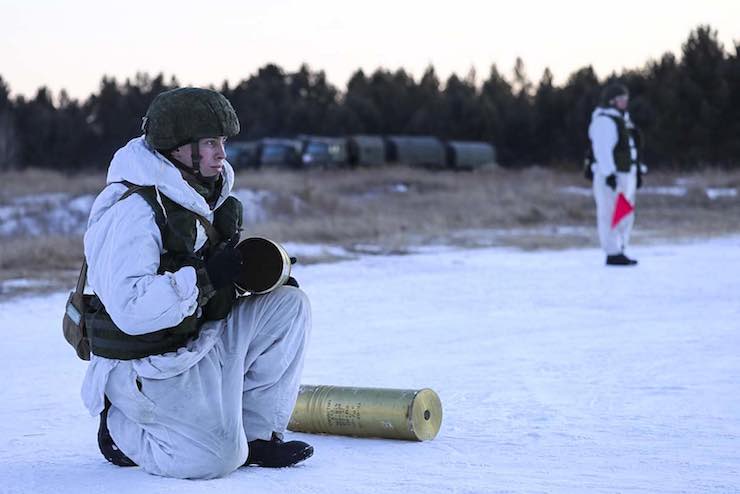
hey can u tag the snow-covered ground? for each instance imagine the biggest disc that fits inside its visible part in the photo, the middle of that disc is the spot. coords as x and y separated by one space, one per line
556 374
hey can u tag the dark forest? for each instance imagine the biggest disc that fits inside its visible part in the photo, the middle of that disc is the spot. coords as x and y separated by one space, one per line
688 106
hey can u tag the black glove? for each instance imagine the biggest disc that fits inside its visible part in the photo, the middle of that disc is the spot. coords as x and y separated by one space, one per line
224 265
611 181
292 281
639 178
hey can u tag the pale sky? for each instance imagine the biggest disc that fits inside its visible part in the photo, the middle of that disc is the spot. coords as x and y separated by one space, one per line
71 44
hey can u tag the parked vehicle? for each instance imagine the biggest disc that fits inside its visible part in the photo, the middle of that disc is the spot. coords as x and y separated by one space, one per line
243 154
415 151
364 150
468 155
360 150
280 153
324 152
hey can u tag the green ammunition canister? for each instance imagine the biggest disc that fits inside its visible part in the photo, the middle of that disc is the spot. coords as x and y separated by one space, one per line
414 415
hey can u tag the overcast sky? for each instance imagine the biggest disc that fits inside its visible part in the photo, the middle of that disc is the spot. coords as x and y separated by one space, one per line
71 44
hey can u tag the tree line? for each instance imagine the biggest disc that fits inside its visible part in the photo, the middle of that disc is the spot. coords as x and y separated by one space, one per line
687 106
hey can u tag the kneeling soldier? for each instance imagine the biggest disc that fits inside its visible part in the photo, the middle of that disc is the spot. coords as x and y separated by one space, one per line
190 380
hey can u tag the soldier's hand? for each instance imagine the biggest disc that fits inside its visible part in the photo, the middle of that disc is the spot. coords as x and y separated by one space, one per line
292 281
611 181
224 264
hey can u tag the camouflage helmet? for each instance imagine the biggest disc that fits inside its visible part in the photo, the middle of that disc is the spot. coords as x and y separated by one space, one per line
611 91
183 115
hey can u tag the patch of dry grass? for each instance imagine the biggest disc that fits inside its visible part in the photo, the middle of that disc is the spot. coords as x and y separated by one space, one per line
372 205
394 208
35 182
346 207
29 254
54 259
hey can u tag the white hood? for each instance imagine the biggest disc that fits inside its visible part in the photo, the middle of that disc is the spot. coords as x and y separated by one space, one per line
140 165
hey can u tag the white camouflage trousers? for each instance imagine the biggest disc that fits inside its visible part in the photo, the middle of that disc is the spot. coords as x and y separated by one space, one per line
614 240
196 424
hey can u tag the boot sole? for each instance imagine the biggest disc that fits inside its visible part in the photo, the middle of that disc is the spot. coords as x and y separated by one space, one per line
294 459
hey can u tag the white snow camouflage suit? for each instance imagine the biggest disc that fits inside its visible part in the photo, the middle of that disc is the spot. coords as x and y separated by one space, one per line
189 413
604 135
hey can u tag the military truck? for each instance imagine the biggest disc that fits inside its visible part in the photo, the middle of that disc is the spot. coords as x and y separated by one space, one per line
365 150
324 152
277 153
415 151
469 155
243 154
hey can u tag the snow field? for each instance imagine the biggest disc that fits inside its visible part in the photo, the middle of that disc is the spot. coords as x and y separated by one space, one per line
556 374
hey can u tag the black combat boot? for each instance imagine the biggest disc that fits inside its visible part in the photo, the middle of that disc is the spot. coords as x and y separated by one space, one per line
620 260
105 442
277 454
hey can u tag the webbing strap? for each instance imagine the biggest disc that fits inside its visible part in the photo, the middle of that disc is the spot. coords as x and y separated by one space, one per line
213 236
82 278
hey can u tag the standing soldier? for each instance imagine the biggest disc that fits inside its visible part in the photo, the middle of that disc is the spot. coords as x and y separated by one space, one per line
189 380
616 169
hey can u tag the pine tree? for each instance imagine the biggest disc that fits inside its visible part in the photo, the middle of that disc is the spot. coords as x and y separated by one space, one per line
8 136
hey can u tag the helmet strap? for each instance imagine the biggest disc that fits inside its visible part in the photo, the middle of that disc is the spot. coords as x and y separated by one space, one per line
195 157
194 170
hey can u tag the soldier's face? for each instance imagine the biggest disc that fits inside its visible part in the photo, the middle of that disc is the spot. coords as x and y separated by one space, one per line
621 102
212 155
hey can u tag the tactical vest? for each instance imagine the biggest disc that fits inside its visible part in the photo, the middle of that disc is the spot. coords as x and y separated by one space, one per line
622 152
178 229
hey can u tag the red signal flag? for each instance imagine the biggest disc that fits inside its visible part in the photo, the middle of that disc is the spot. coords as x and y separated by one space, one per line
621 209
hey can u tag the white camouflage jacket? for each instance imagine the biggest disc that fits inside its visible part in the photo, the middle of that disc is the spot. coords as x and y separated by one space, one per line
123 246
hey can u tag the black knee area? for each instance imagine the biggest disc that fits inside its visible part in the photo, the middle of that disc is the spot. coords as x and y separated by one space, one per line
107 447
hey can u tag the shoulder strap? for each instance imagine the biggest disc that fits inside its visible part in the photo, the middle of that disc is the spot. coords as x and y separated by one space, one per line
132 188
618 121
82 278
213 236
160 217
